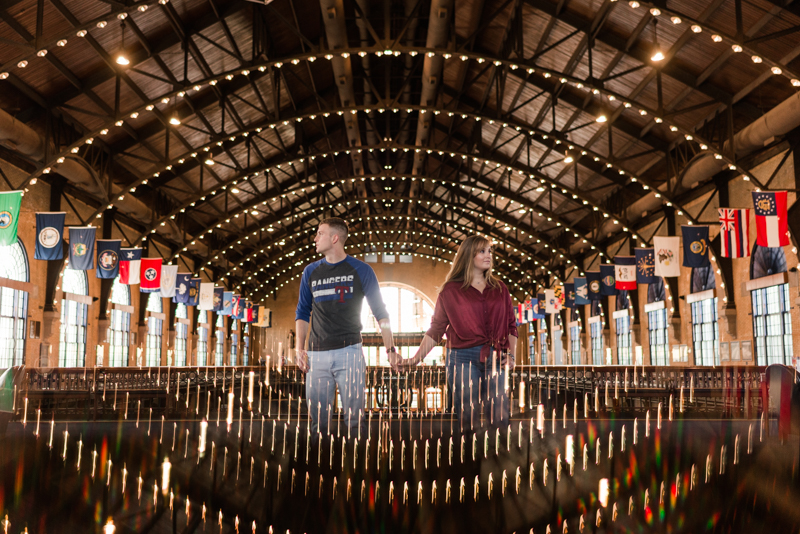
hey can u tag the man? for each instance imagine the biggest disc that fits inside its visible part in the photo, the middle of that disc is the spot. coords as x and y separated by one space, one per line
332 291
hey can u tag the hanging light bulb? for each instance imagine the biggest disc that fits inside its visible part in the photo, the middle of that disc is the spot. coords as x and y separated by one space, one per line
174 120
658 54
122 59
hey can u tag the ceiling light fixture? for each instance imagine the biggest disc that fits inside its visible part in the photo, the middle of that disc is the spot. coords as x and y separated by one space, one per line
658 54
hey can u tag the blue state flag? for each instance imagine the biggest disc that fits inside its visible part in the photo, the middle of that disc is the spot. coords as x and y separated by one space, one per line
581 291
536 312
108 258
645 265
569 295
227 302
608 281
49 235
219 296
594 284
182 283
194 292
256 310
695 246
81 247
540 298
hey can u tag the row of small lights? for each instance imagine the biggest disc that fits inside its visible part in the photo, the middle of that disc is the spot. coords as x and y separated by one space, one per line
563 78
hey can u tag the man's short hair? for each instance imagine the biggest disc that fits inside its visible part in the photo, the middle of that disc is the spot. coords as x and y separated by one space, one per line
338 225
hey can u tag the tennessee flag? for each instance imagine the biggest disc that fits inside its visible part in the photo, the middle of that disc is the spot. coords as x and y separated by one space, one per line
734 232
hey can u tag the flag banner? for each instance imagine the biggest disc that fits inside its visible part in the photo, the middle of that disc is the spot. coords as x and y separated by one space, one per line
734 232
129 265
49 235
227 302
235 305
695 246
182 283
527 311
193 292
536 311
265 318
645 265
150 275
219 294
10 202
594 284
108 258
569 295
206 299
248 311
256 314
625 272
541 299
608 286
81 247
169 276
666 255
581 291
772 225
550 301
519 313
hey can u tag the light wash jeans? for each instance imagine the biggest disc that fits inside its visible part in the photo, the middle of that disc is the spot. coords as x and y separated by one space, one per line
346 369
474 389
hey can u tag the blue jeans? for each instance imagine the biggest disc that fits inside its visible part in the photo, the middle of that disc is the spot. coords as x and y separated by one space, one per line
344 368
474 389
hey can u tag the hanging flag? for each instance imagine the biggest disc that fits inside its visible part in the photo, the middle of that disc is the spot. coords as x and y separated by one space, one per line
666 255
581 291
256 314
240 309
206 299
645 265
182 283
49 235
537 312
527 311
235 305
81 247
129 265
550 301
594 284
519 313
265 318
695 246
608 286
169 276
150 278
227 302
248 311
108 258
734 232
10 202
193 292
219 294
558 292
772 228
625 272
569 295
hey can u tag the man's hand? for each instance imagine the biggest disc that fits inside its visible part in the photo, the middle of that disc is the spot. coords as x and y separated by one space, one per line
302 359
395 360
507 357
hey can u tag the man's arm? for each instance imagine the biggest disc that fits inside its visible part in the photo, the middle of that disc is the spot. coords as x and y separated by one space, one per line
302 316
386 333
301 327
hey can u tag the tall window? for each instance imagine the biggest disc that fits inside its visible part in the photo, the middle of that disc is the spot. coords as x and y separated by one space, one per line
531 343
182 334
596 333
219 352
72 340
705 332
246 344
13 306
575 344
543 341
234 341
772 325
659 342
120 330
155 328
202 337
624 356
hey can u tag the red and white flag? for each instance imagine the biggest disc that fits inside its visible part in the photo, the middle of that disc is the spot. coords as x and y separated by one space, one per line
772 225
150 278
734 232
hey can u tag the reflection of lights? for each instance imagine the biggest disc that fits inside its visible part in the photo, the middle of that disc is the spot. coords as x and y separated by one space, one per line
602 492
165 470
109 528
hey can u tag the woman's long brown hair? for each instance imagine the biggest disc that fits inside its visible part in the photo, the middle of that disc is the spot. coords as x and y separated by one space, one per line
462 268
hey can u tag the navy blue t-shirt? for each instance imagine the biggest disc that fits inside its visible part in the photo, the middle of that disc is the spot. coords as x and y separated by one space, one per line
334 293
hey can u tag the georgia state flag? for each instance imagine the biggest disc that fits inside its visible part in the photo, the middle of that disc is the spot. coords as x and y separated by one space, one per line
150 277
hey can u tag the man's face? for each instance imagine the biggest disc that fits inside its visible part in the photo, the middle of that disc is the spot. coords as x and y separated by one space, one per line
325 238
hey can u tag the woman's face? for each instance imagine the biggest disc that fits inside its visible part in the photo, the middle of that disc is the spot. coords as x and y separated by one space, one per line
483 258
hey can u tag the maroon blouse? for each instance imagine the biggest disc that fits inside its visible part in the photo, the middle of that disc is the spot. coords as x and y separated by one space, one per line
471 318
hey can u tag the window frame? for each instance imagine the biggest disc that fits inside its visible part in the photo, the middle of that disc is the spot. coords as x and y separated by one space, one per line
769 313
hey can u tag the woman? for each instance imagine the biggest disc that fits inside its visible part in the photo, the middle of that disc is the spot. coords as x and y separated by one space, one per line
474 309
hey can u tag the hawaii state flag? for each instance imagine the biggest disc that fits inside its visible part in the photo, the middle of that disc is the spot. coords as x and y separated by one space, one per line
625 272
150 275
772 227
734 232
129 264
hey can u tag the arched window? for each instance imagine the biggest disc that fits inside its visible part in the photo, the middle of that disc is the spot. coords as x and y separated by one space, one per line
72 340
234 341
155 327
596 332
202 339
657 324
13 306
543 347
410 311
120 328
705 332
182 333
219 346
246 344
772 320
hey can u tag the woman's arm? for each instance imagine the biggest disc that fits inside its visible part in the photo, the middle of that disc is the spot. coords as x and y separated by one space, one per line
439 323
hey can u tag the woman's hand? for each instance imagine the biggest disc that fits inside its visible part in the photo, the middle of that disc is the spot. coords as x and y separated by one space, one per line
401 364
507 357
